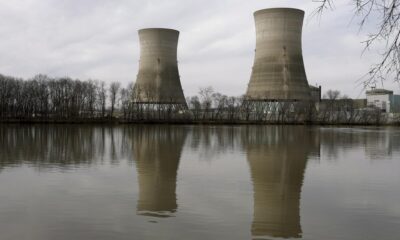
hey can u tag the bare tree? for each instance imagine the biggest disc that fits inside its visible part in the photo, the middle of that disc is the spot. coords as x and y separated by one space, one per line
114 90
206 97
332 94
102 97
43 98
195 106
387 15
126 100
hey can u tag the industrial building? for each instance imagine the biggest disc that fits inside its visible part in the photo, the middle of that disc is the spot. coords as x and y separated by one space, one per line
158 80
316 93
384 100
278 72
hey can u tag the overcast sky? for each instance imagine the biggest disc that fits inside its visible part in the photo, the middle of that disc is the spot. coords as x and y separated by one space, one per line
98 39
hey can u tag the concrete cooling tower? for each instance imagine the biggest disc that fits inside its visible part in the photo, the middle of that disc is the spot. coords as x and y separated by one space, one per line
278 72
158 78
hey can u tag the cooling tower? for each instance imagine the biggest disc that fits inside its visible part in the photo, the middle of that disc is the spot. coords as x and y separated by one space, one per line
278 72
158 78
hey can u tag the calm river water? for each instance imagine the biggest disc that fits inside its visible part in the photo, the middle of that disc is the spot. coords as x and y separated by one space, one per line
198 182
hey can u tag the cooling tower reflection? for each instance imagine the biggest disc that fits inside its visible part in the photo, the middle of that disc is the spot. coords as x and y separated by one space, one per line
277 162
157 151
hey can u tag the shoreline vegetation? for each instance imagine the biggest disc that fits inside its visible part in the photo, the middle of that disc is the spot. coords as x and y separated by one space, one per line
115 121
191 123
47 100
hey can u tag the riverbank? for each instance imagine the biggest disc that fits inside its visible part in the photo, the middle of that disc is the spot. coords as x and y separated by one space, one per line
115 121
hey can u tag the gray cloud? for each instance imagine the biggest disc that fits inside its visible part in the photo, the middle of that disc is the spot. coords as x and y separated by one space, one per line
98 39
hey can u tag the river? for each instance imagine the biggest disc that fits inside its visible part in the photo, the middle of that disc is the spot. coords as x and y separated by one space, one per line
199 182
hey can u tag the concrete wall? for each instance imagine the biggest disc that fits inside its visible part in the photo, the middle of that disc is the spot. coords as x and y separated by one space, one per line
382 101
316 93
395 104
278 71
158 78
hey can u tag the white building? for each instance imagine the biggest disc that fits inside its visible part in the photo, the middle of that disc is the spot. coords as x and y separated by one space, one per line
383 99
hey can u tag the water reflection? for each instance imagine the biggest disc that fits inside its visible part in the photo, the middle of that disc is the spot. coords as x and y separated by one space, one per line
45 146
75 204
377 143
157 151
211 141
277 157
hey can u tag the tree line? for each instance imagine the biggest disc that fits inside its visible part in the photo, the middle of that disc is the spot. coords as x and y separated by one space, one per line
44 98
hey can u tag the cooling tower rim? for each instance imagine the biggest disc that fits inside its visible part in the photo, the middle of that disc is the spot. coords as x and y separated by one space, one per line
158 29
278 99
267 10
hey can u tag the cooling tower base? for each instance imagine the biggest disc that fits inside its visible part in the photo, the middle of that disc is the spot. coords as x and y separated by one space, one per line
159 111
274 110
160 106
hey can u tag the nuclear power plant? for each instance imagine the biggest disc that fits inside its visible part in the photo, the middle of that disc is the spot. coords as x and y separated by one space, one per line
158 79
278 80
278 72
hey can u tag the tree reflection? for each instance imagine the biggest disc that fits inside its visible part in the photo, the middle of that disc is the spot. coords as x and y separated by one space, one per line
377 143
48 146
277 157
157 151
210 141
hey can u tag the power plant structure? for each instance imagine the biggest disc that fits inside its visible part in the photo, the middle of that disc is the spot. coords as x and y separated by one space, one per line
278 73
158 82
278 81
